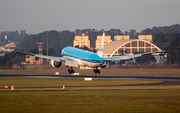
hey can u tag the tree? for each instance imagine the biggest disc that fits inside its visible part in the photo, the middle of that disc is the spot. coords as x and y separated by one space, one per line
133 34
11 58
51 52
145 59
173 51
84 48
35 51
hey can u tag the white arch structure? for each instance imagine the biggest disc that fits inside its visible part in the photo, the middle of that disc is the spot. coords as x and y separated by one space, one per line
128 47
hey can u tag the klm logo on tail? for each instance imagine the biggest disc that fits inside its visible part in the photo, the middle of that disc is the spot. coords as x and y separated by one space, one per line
100 52
100 48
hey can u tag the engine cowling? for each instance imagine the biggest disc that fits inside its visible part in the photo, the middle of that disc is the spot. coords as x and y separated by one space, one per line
55 63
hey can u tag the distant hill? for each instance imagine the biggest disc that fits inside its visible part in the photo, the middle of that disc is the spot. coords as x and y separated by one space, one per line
166 29
56 40
14 36
162 36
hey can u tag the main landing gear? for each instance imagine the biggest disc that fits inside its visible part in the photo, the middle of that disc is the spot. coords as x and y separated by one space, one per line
70 70
96 71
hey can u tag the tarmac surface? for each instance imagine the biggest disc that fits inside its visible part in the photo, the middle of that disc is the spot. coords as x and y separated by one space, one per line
166 81
96 77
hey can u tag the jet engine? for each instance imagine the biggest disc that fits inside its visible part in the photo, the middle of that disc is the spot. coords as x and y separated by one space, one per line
55 63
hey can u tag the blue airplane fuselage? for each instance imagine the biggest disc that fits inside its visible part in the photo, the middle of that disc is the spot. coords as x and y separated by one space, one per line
85 57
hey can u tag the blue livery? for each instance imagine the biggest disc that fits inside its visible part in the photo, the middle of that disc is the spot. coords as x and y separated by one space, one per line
82 55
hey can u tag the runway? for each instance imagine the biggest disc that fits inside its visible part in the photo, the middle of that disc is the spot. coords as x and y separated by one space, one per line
166 81
97 77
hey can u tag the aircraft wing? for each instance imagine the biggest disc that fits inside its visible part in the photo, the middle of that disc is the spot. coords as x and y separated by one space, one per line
67 61
127 57
42 56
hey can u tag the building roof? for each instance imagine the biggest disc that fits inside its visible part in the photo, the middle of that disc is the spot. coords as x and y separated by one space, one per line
111 48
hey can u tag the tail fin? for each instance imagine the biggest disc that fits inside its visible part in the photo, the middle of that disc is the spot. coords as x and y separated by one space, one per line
100 52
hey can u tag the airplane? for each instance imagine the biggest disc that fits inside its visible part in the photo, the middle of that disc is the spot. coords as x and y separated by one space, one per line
74 57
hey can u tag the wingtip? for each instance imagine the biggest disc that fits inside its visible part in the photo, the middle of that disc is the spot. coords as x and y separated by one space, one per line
25 53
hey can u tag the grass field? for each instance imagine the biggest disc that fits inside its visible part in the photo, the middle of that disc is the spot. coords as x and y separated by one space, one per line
85 101
20 83
91 101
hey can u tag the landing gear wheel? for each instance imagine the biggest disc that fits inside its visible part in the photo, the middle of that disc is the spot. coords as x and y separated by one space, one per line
96 71
70 70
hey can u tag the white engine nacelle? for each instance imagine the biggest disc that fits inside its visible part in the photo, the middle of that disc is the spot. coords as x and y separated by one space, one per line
56 63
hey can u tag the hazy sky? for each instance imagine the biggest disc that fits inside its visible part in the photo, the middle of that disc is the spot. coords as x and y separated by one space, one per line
36 16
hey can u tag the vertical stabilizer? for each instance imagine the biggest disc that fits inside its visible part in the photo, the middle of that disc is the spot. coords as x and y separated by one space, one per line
100 51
